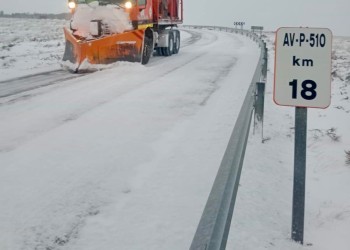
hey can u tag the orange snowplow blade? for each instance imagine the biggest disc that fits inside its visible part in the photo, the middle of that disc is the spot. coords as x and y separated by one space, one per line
126 46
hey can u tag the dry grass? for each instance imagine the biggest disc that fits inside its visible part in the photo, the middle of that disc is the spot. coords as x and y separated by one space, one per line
332 134
347 156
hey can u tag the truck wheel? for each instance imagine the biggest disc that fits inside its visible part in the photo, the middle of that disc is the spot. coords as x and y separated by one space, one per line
168 51
177 42
147 47
159 51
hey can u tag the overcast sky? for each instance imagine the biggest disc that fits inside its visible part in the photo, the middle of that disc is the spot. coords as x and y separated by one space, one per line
332 14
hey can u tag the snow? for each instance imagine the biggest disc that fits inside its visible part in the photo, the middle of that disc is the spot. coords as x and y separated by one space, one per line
112 16
30 46
124 158
262 217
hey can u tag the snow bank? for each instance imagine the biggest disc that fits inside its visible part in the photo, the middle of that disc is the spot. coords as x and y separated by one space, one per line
29 46
113 17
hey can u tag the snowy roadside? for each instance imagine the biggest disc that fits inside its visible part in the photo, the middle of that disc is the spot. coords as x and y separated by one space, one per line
29 46
262 217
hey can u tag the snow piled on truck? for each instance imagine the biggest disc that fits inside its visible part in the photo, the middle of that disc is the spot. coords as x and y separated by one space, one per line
112 16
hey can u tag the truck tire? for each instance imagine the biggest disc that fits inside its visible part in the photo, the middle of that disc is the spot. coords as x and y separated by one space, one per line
159 51
177 41
147 46
168 51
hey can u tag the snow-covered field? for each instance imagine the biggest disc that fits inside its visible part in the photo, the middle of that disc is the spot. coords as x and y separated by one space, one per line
30 45
124 158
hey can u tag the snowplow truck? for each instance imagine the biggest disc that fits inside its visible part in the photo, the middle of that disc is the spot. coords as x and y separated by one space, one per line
106 31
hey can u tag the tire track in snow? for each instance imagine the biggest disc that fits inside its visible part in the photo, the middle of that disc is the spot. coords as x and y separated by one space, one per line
173 64
22 84
195 37
13 87
31 82
46 236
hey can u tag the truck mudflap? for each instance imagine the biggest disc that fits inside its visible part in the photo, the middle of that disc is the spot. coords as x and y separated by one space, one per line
126 46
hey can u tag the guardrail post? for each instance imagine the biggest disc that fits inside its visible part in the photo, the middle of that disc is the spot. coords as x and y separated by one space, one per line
264 69
259 108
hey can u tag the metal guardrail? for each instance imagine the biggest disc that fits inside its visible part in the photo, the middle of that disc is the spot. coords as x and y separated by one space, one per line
252 35
213 229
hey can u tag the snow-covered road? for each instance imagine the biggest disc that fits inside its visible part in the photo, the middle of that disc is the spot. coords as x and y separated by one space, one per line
123 158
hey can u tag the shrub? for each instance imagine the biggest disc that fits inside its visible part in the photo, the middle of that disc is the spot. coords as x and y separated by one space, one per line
347 156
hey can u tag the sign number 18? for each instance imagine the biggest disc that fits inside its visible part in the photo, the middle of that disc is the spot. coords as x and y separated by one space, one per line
308 91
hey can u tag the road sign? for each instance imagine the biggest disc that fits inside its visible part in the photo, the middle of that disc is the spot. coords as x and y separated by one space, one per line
253 28
239 23
303 67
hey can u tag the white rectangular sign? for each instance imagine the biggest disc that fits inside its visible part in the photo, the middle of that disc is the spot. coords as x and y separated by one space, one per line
303 67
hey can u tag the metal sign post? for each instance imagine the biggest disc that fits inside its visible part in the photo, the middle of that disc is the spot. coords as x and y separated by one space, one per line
299 175
302 80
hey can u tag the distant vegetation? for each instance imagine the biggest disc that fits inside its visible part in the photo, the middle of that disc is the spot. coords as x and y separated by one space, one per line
66 16
347 161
